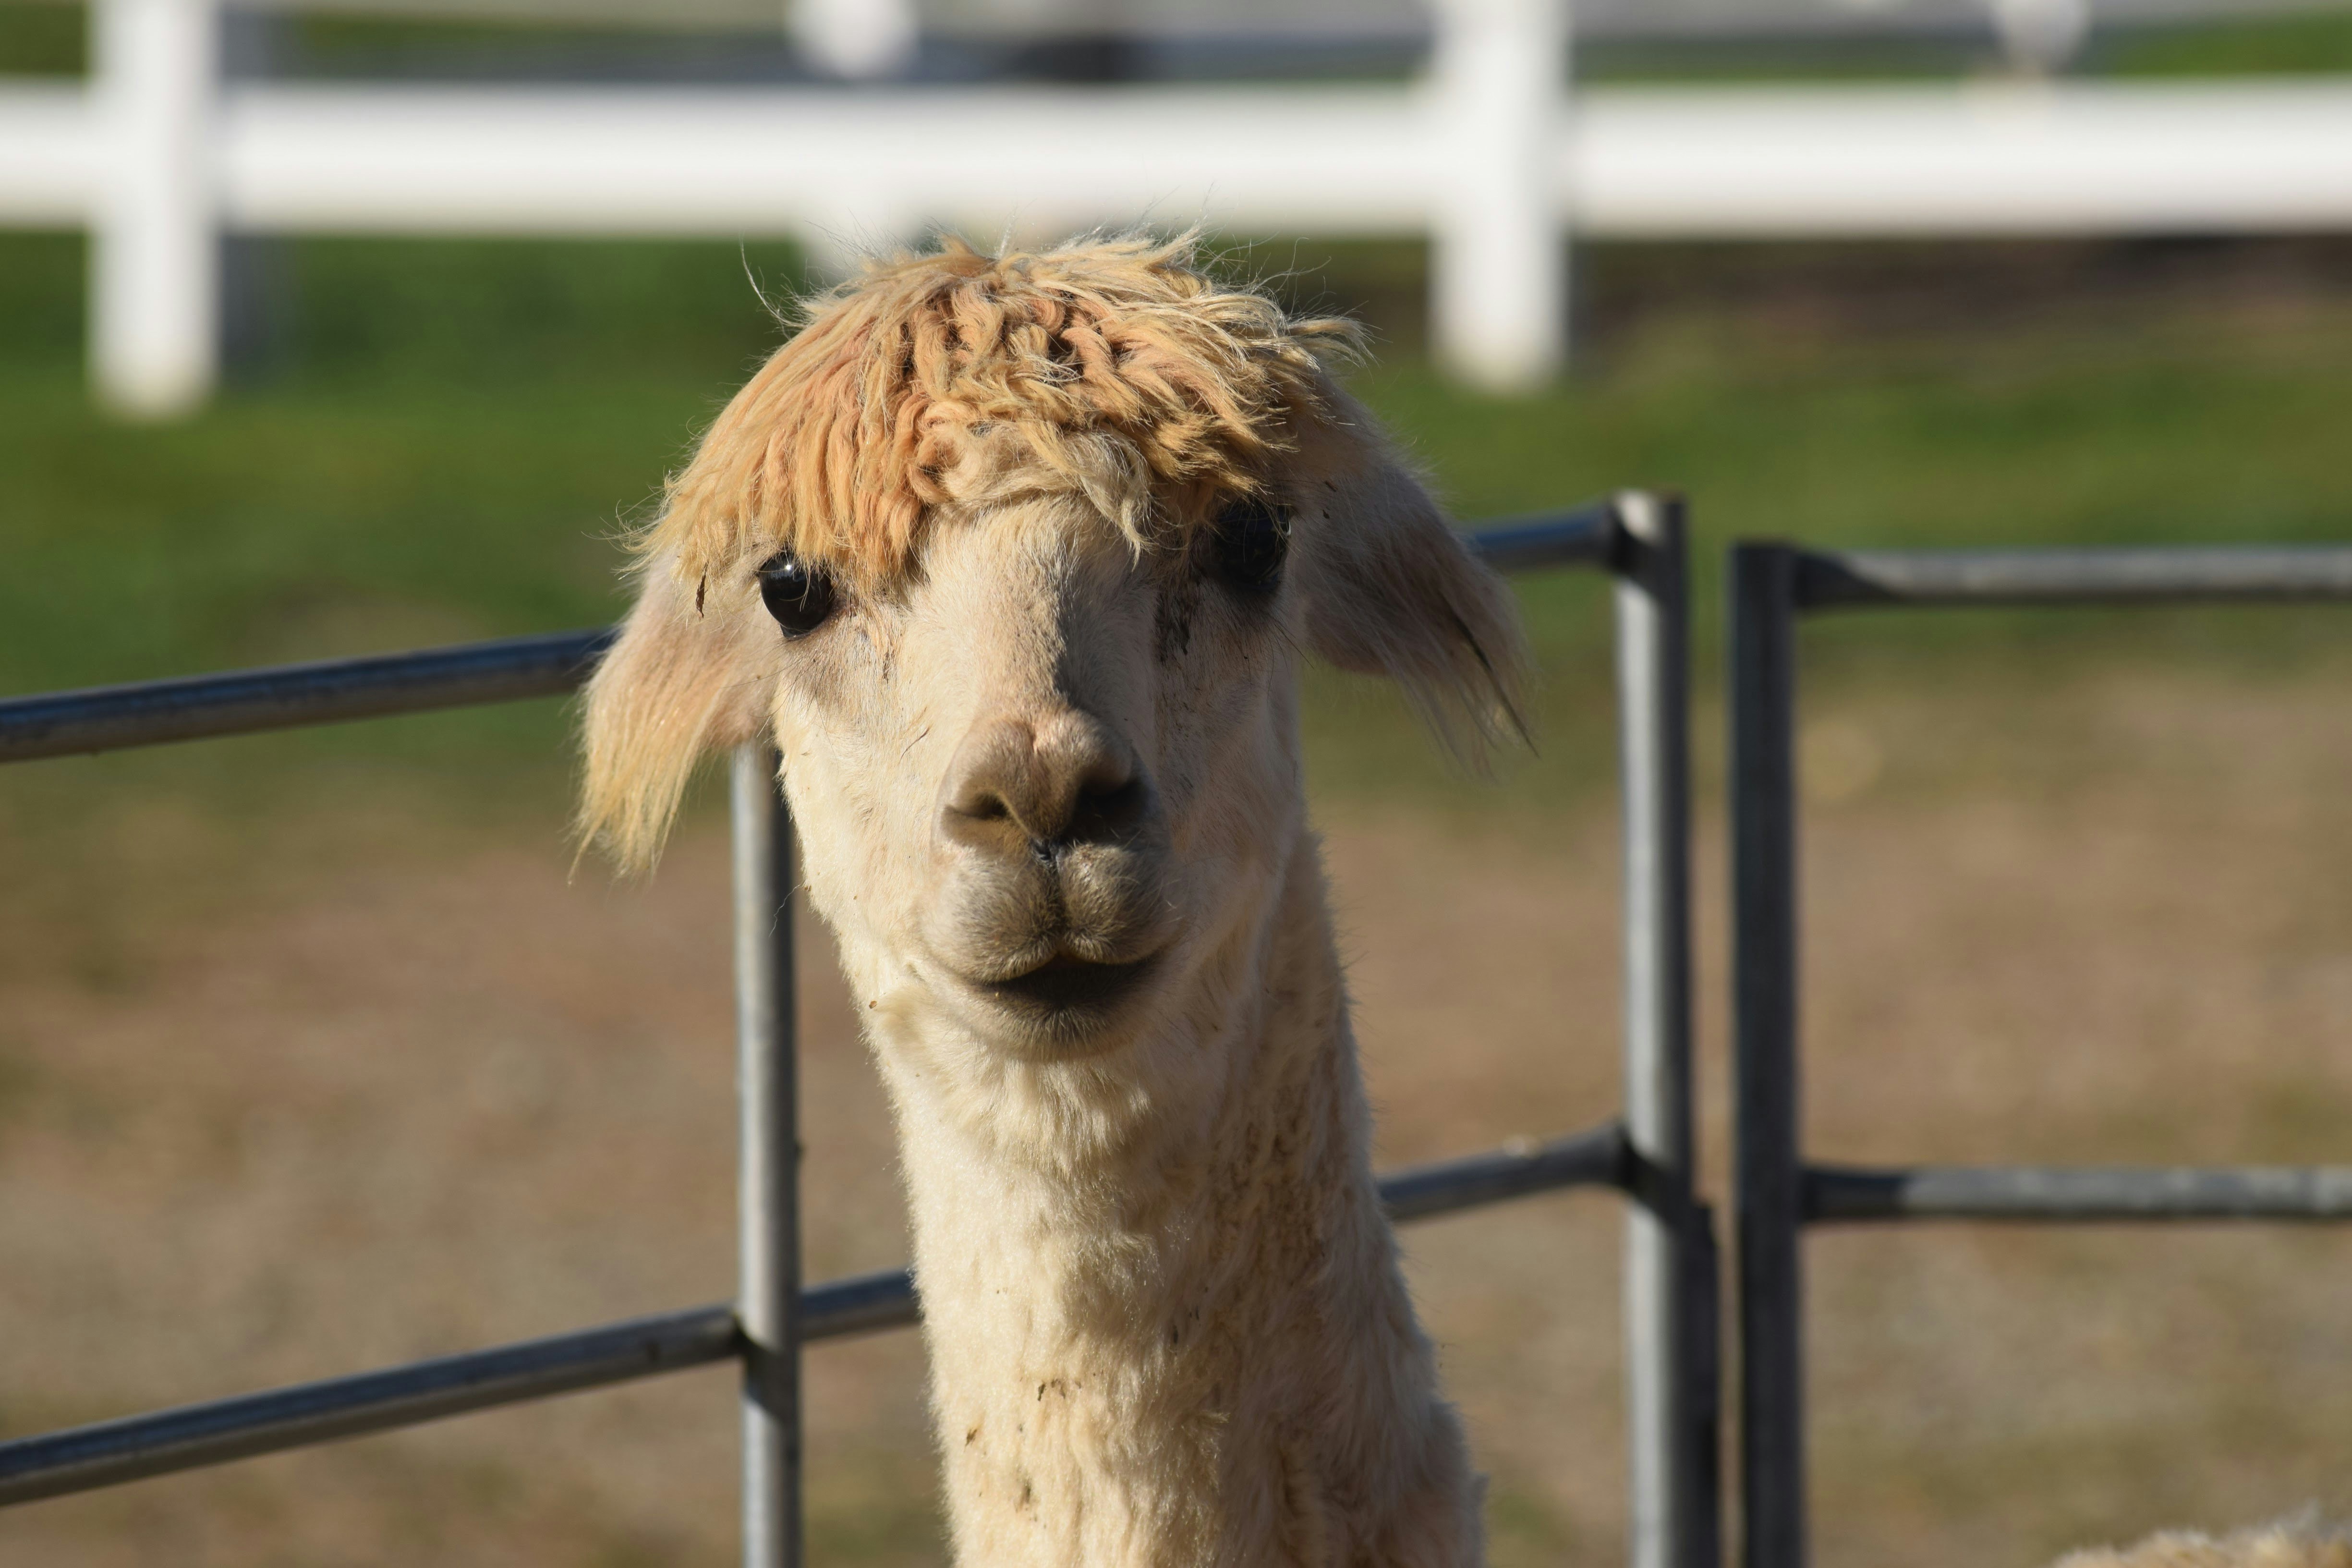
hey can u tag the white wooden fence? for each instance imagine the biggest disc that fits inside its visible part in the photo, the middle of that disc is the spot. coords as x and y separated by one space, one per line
1490 154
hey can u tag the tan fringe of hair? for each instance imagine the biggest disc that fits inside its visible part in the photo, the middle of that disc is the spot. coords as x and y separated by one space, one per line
836 447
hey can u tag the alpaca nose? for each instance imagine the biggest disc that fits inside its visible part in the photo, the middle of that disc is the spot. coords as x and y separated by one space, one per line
1063 780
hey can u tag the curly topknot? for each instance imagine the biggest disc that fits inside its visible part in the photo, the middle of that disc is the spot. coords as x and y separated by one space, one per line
1115 361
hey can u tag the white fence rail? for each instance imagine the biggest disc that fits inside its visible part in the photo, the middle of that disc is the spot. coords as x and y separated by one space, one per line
1490 155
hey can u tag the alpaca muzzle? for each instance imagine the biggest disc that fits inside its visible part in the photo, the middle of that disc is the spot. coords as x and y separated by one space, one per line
1100 906
1058 941
1054 846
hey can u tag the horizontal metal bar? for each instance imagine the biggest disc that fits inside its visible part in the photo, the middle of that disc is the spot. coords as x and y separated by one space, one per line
287 696
1595 1158
860 1304
1587 535
2049 1193
1853 579
83 1458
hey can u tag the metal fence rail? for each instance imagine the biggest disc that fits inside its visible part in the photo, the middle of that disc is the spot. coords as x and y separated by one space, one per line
509 669
1670 1257
293 695
1776 1192
84 1458
1833 1193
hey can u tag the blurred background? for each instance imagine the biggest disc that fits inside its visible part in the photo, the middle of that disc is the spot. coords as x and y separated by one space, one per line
368 324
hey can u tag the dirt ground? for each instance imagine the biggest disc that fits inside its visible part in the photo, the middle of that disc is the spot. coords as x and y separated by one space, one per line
428 1093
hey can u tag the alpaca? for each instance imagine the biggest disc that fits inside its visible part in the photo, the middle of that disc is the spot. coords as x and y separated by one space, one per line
1015 557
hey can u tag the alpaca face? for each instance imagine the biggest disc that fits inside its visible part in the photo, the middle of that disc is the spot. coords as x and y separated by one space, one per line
1013 557
1042 776
1034 779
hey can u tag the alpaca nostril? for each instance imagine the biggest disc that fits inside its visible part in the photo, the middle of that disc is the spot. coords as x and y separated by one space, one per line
984 807
1108 810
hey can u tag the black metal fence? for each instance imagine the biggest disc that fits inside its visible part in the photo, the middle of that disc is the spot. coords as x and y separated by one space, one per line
1778 1193
1671 1296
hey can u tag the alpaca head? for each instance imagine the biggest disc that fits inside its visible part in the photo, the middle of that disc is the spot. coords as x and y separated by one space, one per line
1013 557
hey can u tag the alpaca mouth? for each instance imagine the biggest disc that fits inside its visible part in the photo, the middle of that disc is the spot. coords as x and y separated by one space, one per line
1066 982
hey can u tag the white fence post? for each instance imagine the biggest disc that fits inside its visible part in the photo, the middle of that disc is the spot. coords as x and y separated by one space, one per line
855 38
1498 273
154 250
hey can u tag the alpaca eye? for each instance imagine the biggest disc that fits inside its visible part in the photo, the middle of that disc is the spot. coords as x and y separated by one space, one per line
1253 535
799 595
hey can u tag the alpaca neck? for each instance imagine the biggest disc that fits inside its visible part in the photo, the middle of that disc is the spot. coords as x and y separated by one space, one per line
1164 1312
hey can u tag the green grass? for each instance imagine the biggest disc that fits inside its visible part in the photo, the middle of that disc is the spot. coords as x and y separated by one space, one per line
2256 45
439 449
41 38
445 443
444 436
2267 45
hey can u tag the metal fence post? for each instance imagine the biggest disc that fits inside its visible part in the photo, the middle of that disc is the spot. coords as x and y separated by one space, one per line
1669 1321
768 1195
1761 681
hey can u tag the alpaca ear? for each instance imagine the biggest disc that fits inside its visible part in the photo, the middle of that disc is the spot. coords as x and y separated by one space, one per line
1391 589
676 686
